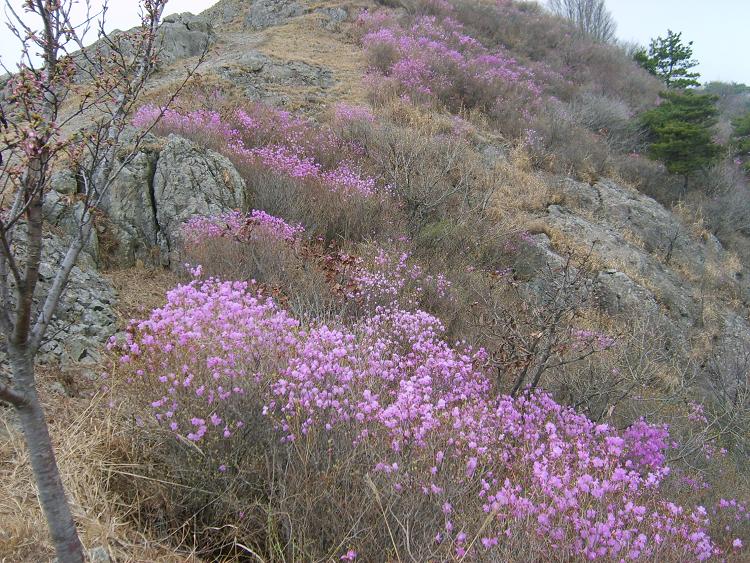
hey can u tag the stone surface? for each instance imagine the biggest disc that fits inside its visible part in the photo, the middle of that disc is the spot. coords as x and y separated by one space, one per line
64 182
617 294
184 35
129 207
616 251
254 72
332 17
189 181
64 213
164 185
85 316
267 13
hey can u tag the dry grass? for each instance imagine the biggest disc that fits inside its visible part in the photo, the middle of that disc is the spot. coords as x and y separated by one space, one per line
140 289
86 441
89 447
304 39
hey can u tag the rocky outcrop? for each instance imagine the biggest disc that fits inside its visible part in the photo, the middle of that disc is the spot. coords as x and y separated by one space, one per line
184 35
130 209
615 251
190 180
332 17
165 184
268 13
649 263
254 72
85 316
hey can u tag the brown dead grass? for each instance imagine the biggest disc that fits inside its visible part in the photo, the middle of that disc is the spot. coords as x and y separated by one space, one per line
86 441
91 450
304 39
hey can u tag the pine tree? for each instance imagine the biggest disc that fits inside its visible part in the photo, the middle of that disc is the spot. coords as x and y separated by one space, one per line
680 132
670 59
741 139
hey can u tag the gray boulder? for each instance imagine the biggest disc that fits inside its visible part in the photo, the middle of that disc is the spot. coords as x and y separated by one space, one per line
129 207
268 13
166 183
628 211
617 294
190 180
332 17
64 182
184 35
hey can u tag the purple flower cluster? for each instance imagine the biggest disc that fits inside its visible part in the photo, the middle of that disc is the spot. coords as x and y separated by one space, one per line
423 419
347 113
239 226
275 140
592 338
199 122
433 57
394 278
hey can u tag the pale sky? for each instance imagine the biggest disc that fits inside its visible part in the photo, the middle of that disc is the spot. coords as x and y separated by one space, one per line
122 14
718 28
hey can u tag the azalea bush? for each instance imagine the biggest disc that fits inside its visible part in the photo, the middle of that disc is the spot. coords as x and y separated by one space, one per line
379 438
260 247
432 57
294 169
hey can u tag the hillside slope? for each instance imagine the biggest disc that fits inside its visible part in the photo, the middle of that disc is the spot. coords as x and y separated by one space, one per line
395 177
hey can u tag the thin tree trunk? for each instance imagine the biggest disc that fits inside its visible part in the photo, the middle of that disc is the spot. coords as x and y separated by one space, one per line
49 484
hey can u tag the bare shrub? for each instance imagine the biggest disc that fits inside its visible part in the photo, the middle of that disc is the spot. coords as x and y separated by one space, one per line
728 371
591 17
608 70
609 117
279 266
526 28
725 200
559 145
649 177
431 175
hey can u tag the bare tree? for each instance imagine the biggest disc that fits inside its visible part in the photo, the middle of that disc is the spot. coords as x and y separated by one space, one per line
38 132
591 17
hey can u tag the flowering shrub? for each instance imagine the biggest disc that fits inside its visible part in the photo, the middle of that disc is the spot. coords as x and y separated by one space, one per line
347 113
432 57
273 139
383 277
239 226
405 432
303 172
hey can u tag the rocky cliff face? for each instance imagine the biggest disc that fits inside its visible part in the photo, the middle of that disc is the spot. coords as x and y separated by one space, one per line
167 183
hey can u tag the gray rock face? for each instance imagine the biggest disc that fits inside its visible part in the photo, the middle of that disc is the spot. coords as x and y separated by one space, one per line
163 186
65 215
617 251
189 181
129 207
64 182
617 294
332 17
85 317
254 72
184 35
267 13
